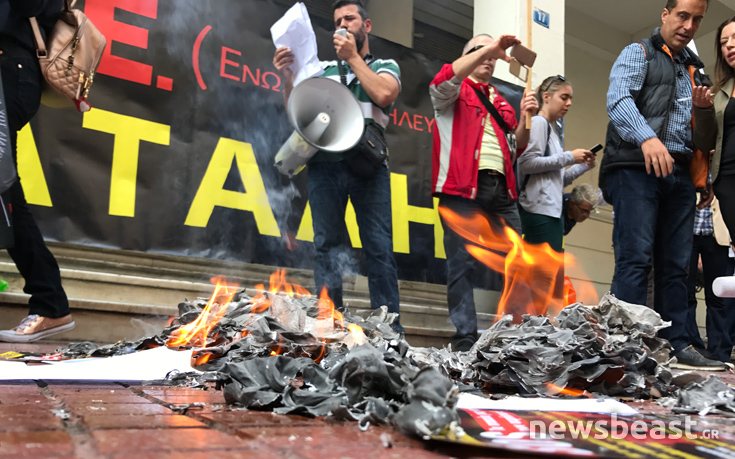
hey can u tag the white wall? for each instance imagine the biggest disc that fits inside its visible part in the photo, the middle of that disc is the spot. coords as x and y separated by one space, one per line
496 17
591 48
393 20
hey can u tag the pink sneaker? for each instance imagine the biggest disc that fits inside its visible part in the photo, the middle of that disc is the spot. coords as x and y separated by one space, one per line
35 327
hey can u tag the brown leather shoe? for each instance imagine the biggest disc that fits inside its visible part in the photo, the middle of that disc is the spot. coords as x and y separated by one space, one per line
35 327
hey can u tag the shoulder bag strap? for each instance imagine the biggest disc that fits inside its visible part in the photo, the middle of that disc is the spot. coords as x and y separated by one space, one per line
38 38
492 110
341 69
343 76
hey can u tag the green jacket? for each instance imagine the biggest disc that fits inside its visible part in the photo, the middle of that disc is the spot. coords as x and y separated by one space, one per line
708 127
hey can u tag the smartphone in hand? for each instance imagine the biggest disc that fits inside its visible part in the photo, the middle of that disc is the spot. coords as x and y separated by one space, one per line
596 148
524 55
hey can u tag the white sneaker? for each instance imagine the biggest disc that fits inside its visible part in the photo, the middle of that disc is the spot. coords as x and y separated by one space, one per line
35 327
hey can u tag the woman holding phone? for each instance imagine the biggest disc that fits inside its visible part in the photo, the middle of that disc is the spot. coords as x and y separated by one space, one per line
543 167
714 122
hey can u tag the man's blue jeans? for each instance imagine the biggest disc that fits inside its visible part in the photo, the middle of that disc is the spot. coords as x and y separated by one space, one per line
654 220
330 185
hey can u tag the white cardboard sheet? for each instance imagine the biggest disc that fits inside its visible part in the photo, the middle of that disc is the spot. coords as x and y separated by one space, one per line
590 405
146 365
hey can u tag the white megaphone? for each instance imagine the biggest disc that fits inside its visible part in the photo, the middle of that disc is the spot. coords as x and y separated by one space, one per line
326 116
724 287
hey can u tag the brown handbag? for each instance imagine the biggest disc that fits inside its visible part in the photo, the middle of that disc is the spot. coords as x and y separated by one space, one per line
70 56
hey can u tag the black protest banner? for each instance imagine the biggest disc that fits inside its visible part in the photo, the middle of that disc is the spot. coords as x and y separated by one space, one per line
176 156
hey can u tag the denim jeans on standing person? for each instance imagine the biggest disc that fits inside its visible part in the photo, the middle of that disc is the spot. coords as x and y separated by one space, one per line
492 201
330 185
22 88
654 219
720 311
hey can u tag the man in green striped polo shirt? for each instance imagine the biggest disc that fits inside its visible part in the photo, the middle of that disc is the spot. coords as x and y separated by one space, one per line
376 84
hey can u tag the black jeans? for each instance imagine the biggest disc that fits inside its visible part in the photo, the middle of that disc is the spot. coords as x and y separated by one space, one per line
22 88
720 311
493 204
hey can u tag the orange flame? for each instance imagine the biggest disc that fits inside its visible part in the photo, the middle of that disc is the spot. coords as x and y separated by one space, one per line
357 333
260 301
196 332
533 272
278 284
568 391
327 316
326 308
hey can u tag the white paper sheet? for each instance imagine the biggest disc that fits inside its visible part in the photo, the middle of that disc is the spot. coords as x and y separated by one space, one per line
294 31
590 405
146 365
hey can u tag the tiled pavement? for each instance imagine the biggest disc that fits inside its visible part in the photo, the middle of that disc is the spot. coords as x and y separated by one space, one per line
113 421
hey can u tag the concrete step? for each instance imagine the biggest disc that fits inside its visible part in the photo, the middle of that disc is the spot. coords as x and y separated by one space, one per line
117 294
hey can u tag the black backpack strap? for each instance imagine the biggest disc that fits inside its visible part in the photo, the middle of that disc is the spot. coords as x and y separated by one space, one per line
492 110
546 153
369 60
341 70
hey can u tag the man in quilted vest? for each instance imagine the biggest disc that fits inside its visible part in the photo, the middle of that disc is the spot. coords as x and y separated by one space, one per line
645 171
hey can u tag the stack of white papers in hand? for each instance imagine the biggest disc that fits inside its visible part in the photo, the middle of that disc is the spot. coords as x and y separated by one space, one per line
294 31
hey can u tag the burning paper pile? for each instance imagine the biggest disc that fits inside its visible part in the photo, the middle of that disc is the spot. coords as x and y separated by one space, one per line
285 351
611 349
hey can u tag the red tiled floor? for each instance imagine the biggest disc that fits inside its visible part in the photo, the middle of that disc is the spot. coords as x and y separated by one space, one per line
103 421
23 399
121 409
131 440
339 451
257 418
315 436
14 423
112 421
159 391
204 397
102 399
49 444
90 392
24 410
225 454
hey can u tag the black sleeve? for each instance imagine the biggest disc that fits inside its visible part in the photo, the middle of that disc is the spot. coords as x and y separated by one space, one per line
31 8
